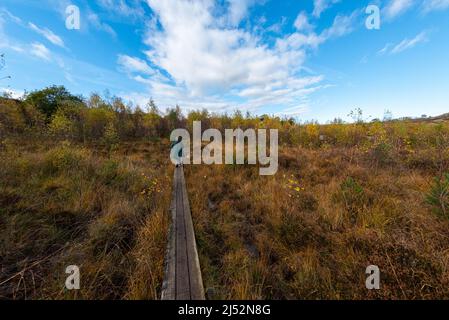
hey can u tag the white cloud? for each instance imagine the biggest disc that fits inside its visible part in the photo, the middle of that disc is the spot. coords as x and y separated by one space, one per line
341 26
404 44
294 111
212 62
409 43
95 21
206 59
39 50
435 5
6 42
130 9
397 7
134 65
13 93
238 10
276 27
385 49
48 34
7 14
302 22
322 5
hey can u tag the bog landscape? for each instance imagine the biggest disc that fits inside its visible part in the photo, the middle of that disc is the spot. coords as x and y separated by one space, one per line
89 183
224 150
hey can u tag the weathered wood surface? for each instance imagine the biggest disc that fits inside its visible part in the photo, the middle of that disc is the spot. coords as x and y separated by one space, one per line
183 279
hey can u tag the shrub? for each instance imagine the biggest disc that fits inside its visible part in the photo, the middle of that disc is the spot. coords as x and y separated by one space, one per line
110 138
64 157
61 126
381 153
353 197
18 117
439 196
109 171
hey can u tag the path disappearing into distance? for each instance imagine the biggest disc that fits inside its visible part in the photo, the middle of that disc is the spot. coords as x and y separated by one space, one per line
183 280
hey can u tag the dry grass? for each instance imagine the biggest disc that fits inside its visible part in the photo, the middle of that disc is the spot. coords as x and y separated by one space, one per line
63 204
310 231
364 195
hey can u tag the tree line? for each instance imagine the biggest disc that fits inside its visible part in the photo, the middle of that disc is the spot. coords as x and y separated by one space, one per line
56 112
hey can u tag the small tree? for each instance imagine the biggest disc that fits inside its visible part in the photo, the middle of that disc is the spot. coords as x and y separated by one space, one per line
110 138
174 118
153 121
438 197
356 115
49 99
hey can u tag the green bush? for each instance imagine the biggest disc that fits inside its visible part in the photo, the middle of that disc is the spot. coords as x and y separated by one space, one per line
49 99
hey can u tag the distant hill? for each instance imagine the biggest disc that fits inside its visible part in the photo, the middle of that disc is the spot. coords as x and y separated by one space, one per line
440 118
4 100
437 119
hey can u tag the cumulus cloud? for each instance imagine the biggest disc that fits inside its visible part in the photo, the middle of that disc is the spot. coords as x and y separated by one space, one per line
48 34
209 61
302 22
238 10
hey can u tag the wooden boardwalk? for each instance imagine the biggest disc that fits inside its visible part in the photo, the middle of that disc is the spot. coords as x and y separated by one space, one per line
183 279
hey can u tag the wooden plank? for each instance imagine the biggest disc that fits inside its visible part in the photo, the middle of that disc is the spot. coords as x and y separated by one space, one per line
196 281
182 262
183 279
169 285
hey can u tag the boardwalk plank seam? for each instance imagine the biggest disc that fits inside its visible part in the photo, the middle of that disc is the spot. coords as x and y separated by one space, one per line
183 280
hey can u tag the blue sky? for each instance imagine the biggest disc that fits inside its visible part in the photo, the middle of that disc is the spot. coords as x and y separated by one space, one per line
310 59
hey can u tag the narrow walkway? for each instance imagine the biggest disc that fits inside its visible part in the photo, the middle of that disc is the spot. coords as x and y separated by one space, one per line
183 279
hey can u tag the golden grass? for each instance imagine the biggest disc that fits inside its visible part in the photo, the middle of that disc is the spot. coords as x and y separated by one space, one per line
63 204
310 231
